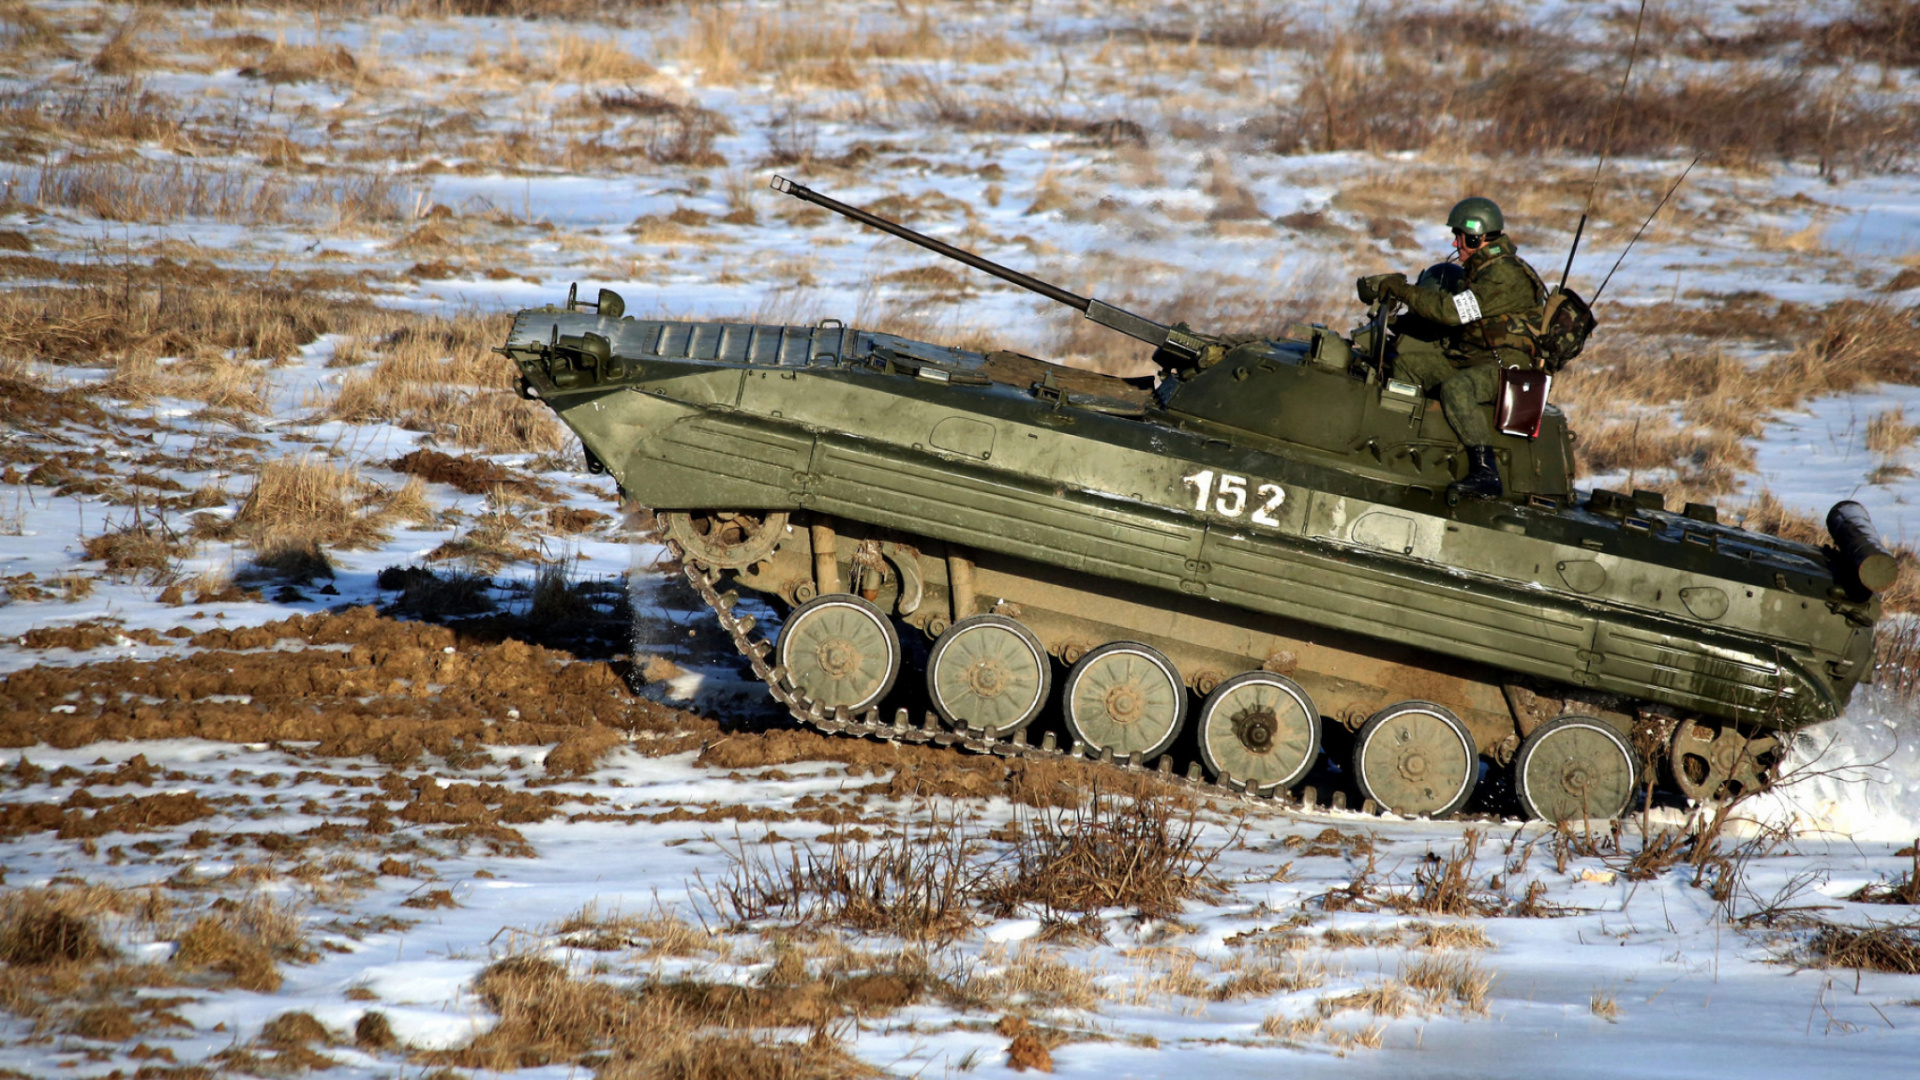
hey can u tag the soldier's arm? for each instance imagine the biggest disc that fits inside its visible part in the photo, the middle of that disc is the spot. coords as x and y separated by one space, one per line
1501 290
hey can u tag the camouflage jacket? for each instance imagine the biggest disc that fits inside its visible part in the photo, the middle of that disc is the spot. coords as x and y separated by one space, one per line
1496 311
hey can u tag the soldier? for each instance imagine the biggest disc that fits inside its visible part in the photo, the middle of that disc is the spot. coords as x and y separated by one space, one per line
1463 328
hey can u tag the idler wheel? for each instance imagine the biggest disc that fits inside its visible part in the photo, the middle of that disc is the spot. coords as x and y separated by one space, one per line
1575 768
726 539
1716 761
1125 697
1261 728
989 672
1416 759
840 651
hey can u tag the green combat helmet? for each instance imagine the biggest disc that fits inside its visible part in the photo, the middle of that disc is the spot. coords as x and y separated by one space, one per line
1476 216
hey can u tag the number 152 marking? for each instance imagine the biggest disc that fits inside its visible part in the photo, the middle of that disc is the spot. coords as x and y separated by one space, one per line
1228 495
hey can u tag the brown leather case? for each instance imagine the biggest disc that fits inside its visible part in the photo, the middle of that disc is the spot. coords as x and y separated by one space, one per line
1522 401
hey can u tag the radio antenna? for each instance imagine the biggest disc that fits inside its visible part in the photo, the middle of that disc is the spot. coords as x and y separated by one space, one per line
1606 145
1643 227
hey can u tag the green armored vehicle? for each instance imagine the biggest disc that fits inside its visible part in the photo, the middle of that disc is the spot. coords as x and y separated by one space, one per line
1257 545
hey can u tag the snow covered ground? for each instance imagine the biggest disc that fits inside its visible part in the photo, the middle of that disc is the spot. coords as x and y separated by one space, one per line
507 158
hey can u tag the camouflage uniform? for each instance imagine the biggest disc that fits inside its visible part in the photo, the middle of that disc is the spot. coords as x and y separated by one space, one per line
1454 344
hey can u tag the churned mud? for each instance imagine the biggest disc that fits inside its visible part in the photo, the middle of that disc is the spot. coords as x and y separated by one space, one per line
358 684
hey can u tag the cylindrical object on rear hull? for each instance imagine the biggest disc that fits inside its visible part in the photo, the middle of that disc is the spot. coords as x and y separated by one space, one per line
1860 546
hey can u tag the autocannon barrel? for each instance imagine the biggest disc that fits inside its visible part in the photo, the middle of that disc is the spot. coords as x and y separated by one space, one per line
1183 345
1860 546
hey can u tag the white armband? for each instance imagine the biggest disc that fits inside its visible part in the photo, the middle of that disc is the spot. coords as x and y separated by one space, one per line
1467 306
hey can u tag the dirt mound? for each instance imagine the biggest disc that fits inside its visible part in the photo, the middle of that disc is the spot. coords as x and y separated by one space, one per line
84 816
475 476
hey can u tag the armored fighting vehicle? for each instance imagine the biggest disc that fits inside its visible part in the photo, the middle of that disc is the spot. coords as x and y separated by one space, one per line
1254 545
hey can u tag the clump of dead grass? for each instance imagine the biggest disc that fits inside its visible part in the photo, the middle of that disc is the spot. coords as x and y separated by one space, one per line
499 535
143 546
547 1015
308 501
245 943
43 927
1031 976
1456 980
1143 854
1888 432
1896 663
656 934
918 887
1890 947
333 64
729 45
439 376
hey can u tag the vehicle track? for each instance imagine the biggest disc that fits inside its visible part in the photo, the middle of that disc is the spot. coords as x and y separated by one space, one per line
931 731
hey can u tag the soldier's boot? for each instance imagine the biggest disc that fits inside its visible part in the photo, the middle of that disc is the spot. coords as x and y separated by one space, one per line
1482 480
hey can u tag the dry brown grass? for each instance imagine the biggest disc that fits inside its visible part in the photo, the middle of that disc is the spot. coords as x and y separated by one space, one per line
332 64
1888 432
1604 1005
23 28
1896 662
1398 82
138 190
1454 935
1621 393
657 934
1457 980
505 532
438 375
1388 998
1283 975
144 313
575 58
143 547
1891 947
245 944
310 501
917 887
1033 976
1143 854
43 927
728 45
682 1030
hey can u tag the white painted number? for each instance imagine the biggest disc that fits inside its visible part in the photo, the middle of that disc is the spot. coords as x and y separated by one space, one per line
1230 498
1204 481
1232 489
1275 496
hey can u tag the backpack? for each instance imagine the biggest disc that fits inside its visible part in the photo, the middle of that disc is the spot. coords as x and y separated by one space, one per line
1565 324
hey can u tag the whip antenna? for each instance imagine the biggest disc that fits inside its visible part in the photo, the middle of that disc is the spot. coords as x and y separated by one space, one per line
1643 227
1606 146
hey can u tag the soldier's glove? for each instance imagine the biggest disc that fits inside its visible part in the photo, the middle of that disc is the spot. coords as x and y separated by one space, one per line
1373 288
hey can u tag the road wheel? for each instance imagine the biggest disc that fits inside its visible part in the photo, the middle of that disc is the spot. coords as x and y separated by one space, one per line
1574 768
989 672
1416 759
1125 697
1260 728
840 651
